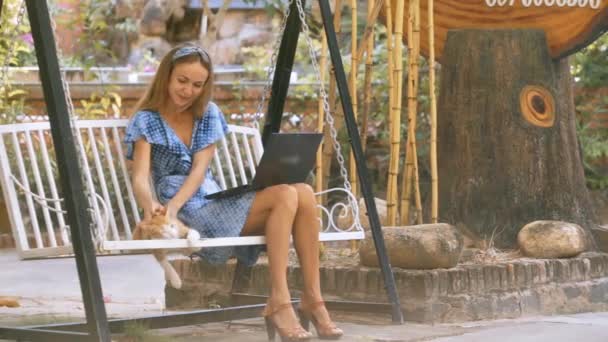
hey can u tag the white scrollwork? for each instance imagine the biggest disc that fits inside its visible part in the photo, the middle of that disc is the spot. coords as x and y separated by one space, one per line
346 209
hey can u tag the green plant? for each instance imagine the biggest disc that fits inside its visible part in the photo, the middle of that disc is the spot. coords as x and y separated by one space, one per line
590 66
95 19
139 332
590 71
593 140
16 49
99 105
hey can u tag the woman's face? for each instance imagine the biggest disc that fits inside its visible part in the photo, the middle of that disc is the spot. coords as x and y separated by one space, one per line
186 84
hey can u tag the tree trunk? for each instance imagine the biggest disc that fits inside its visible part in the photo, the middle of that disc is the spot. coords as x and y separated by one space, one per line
499 170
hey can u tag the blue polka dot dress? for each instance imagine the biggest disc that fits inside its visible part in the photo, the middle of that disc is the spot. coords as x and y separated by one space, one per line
171 162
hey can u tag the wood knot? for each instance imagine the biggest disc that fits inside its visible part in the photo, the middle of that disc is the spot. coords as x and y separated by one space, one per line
537 106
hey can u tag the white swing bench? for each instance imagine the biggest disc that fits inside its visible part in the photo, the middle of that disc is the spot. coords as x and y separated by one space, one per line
32 194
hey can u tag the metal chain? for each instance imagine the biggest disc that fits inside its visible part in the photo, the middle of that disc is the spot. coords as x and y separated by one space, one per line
328 117
11 48
271 69
75 134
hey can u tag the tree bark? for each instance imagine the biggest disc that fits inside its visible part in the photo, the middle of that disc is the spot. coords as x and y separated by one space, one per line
498 170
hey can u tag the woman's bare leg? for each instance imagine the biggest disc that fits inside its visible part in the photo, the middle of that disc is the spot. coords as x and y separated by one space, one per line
272 214
306 241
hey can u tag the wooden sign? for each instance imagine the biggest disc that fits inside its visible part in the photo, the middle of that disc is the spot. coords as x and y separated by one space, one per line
569 25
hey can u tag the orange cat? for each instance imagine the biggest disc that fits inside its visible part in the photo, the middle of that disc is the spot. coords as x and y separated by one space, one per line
162 227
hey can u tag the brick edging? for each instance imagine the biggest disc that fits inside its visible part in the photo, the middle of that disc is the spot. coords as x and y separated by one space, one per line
466 292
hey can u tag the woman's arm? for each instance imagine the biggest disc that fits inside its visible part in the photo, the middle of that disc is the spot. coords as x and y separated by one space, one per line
140 178
194 180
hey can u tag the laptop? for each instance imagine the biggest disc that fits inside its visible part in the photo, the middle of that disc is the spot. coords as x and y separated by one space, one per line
288 158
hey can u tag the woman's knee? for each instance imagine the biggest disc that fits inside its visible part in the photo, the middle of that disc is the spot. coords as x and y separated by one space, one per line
285 196
305 193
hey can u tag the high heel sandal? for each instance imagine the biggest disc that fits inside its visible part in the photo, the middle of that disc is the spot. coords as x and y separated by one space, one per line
325 330
294 334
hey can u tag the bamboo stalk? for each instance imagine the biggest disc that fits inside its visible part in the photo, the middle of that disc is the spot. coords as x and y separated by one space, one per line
391 97
367 93
372 17
433 104
321 116
354 181
328 149
416 37
412 90
395 127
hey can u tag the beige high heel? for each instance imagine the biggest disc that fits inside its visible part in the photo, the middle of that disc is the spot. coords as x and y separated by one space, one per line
294 334
325 330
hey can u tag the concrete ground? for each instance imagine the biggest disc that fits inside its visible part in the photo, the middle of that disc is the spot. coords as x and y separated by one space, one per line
48 291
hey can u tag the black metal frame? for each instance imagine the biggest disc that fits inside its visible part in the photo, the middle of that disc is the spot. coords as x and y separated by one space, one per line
97 326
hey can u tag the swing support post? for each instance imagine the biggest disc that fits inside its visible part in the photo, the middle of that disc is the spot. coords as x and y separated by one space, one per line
71 182
282 73
355 143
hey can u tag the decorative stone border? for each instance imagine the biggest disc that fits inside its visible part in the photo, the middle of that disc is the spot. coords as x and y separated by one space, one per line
467 292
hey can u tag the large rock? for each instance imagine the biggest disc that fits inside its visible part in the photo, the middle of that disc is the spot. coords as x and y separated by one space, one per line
425 246
552 239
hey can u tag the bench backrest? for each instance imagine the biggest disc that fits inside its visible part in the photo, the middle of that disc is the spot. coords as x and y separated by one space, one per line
33 195
32 190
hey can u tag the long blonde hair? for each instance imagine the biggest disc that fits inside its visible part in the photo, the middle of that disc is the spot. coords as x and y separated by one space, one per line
157 95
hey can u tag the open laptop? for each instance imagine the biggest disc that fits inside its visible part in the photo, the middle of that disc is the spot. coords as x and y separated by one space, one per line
287 159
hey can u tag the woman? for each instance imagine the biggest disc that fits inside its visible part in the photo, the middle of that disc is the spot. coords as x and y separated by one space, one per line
172 137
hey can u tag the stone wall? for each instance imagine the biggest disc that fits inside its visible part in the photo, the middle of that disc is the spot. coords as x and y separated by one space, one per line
468 292
162 25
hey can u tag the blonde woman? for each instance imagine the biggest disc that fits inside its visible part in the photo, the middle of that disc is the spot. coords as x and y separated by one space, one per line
172 138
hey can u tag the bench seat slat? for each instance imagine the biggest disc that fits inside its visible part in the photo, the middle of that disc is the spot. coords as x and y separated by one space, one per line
215 242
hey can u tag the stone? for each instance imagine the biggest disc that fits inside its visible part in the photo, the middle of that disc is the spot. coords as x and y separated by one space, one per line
128 9
226 51
156 13
251 35
156 46
425 246
552 239
346 220
231 26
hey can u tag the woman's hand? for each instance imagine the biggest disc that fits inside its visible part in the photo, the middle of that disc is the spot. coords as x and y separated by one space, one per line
172 210
154 208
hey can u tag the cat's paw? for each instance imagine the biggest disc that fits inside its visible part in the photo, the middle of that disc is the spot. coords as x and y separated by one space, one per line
193 236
